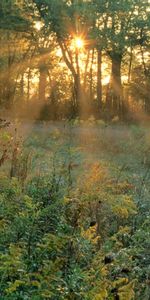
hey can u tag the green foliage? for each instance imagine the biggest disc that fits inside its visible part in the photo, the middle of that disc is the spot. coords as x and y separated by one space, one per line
12 16
84 239
45 254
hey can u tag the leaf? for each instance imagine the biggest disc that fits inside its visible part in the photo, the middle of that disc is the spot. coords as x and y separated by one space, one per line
127 291
13 287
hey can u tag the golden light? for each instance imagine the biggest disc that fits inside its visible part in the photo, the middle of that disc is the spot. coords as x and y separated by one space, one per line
79 43
58 52
38 25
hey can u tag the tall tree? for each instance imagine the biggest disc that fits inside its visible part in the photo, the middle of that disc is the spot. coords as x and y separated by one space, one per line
69 22
122 24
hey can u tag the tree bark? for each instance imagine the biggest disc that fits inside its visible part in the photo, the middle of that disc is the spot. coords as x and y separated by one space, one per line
116 85
42 83
91 76
99 79
130 65
22 87
28 85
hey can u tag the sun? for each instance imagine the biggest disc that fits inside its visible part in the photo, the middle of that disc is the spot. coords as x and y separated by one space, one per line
79 43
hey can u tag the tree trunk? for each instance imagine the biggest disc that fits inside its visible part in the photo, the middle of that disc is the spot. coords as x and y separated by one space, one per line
81 103
130 65
77 80
8 91
99 79
9 78
147 96
79 95
116 85
91 77
22 87
42 83
81 100
28 85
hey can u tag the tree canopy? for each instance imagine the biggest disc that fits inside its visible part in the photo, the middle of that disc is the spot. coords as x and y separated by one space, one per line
95 43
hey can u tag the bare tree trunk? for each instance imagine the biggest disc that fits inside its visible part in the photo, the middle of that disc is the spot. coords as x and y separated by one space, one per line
99 79
147 83
77 79
42 83
116 85
86 68
28 85
91 76
22 87
130 65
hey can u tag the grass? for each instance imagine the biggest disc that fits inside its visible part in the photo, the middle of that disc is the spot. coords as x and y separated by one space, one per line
72 176
123 150
66 153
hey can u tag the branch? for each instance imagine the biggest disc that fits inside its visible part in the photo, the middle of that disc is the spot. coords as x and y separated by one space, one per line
68 63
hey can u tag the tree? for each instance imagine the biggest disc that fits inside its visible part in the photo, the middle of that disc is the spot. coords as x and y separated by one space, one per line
122 23
12 16
69 22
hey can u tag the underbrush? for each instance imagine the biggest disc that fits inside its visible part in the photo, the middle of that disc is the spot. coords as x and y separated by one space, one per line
74 223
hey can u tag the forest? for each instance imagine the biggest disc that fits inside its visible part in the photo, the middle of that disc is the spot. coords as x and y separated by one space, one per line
74 149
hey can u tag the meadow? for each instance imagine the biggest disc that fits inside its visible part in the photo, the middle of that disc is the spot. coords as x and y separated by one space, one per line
75 211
